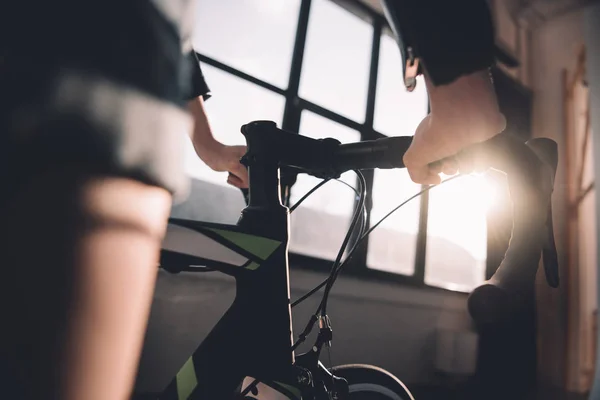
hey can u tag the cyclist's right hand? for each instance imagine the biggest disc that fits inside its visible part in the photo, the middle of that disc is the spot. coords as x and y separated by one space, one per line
463 113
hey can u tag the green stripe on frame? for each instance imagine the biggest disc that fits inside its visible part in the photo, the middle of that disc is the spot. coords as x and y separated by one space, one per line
260 246
252 266
186 380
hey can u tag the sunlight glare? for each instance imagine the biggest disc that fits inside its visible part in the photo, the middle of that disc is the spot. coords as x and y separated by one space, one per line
457 232
475 186
458 212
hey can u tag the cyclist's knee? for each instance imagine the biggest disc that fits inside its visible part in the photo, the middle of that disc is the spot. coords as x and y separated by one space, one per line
125 204
61 200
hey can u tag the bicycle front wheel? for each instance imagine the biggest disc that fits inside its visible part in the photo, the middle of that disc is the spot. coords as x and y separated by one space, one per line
367 382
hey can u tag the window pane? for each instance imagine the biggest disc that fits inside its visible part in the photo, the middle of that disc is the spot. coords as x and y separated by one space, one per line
392 246
321 222
457 233
335 72
254 36
397 111
234 102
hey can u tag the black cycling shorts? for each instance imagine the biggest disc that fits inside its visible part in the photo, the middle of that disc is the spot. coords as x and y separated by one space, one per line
99 85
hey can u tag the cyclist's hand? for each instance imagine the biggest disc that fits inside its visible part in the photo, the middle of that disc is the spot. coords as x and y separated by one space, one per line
223 158
462 113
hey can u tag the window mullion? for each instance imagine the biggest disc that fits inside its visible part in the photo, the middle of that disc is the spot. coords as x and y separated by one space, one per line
421 253
372 91
293 110
291 114
367 133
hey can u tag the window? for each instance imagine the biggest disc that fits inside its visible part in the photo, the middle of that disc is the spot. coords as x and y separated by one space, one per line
397 111
247 48
336 60
320 224
393 245
457 233
254 36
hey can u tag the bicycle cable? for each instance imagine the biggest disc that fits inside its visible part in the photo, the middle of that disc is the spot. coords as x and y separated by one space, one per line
337 262
311 191
323 283
323 306
330 280
363 224
357 213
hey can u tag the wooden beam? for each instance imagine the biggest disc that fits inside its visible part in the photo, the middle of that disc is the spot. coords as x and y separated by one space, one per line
579 72
571 283
586 139
575 164
583 195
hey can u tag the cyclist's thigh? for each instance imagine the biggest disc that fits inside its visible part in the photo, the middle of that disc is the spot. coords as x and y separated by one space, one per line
92 86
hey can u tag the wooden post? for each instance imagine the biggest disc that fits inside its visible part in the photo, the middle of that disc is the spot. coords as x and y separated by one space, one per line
572 279
578 346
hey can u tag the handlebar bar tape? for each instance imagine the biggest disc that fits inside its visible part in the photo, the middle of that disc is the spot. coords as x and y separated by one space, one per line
385 153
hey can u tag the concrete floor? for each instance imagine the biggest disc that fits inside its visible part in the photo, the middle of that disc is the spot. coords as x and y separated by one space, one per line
441 393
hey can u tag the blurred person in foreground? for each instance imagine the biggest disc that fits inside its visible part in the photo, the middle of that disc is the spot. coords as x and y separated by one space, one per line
95 97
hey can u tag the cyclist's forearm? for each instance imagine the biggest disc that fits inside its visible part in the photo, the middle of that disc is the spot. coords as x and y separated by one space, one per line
201 135
452 38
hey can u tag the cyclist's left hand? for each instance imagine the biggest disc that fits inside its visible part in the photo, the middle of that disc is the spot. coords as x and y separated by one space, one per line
223 158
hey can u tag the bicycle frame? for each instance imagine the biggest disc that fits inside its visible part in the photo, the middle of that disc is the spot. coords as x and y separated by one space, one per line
254 337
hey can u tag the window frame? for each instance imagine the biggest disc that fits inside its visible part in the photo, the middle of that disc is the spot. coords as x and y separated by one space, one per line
294 105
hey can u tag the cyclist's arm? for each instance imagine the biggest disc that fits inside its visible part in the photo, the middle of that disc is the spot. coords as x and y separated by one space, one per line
454 42
199 92
215 154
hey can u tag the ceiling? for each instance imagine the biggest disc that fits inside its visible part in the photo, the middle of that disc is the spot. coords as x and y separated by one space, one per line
536 12
530 12
374 4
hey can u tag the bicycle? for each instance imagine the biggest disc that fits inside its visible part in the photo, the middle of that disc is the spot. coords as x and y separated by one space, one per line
253 341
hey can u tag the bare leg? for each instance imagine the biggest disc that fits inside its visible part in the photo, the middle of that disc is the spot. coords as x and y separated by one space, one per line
82 254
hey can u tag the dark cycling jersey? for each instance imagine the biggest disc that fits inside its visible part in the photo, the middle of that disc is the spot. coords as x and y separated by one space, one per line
198 85
451 38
